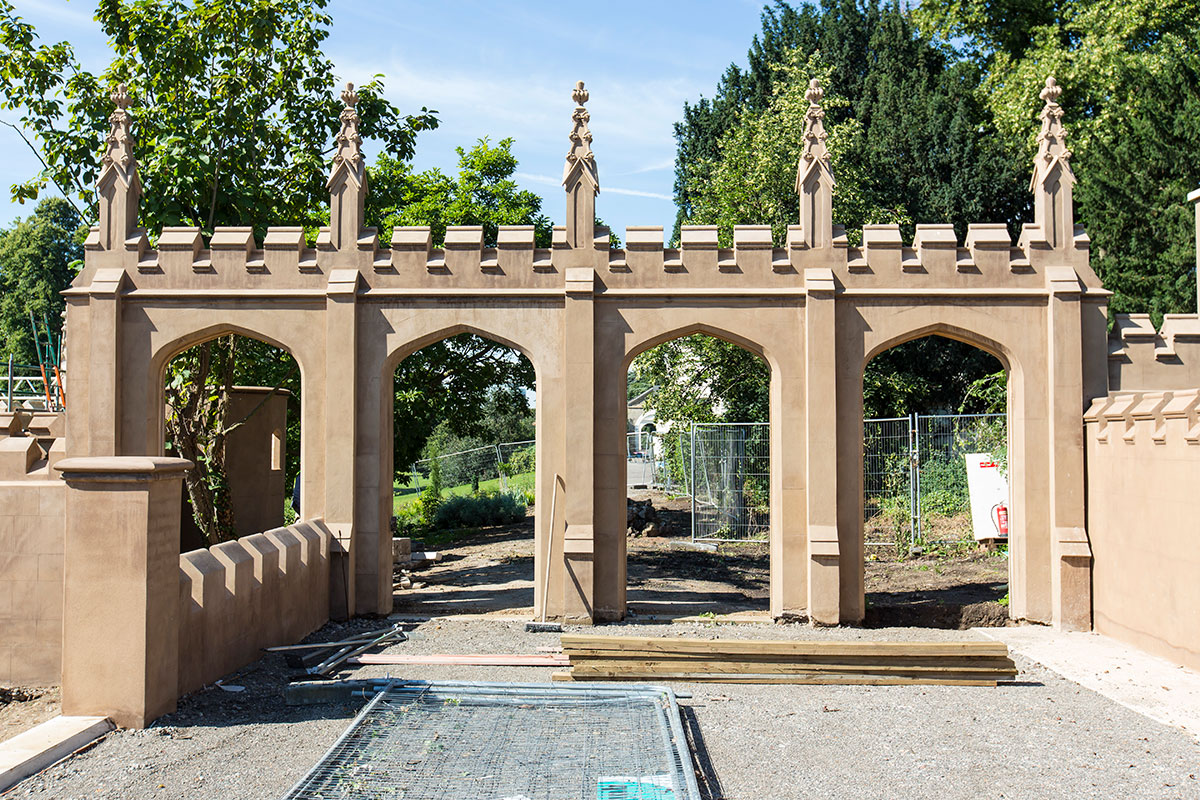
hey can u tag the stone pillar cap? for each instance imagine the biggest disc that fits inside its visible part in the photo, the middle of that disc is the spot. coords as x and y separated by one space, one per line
120 466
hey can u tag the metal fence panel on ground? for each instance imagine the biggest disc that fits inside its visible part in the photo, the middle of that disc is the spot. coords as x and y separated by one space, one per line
731 468
492 741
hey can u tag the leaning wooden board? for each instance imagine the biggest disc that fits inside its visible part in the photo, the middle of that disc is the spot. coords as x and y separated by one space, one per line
748 661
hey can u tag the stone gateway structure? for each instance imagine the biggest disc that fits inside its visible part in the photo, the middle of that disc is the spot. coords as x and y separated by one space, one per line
816 309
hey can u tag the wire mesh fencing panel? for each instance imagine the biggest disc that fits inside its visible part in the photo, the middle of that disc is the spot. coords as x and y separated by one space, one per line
731 478
942 442
494 741
887 482
660 461
518 461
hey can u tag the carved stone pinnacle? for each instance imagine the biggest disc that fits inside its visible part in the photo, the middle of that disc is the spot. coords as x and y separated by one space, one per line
349 96
120 97
580 95
815 93
1052 91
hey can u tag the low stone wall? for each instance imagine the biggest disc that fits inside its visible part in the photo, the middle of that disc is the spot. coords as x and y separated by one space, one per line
240 596
1143 488
32 504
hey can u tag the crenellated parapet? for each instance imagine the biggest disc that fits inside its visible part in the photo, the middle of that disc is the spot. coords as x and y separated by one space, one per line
1141 357
31 442
1051 255
1149 417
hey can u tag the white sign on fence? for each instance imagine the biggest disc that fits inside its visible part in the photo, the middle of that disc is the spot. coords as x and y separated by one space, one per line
989 492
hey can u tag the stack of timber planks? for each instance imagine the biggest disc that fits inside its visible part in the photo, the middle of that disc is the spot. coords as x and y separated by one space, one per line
598 658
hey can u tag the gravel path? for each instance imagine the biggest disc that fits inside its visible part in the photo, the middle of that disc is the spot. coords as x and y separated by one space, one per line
1041 737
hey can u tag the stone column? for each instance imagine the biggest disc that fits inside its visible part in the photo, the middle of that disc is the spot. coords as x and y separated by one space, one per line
355 561
121 587
1195 198
820 441
579 410
1071 554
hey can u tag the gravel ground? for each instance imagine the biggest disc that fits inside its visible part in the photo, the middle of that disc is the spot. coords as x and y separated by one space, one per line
1041 737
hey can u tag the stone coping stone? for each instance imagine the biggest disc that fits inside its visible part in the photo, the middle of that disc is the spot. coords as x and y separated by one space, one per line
31 752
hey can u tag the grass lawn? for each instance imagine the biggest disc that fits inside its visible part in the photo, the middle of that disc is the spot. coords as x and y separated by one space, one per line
406 494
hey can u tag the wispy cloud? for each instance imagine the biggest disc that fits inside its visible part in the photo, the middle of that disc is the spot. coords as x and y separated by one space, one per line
638 193
658 166
546 180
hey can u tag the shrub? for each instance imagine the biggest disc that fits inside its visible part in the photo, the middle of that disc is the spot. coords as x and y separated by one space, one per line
431 495
479 511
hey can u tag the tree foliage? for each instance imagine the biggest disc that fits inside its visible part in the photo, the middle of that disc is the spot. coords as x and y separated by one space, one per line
911 142
1129 75
234 106
36 257
704 379
917 145
482 193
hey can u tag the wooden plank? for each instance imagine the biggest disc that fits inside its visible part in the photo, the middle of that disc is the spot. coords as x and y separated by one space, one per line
479 659
578 643
995 662
807 679
734 668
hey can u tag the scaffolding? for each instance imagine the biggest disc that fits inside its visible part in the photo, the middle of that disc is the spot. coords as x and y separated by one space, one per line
497 741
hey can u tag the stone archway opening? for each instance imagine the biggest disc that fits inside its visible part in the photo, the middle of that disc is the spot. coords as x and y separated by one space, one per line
937 505
464 455
698 480
231 405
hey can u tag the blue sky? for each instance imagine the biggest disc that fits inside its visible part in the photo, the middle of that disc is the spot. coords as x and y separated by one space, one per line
505 69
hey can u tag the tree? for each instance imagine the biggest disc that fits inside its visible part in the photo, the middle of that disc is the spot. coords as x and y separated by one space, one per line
453 380
235 120
911 142
234 105
704 379
1128 72
36 258
483 193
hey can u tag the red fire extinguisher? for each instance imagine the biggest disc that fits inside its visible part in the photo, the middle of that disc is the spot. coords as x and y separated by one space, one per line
1001 520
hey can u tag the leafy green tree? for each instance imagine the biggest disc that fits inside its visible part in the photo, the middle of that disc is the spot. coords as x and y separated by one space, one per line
482 193
235 113
1133 188
451 382
1128 72
923 150
235 119
36 257
704 379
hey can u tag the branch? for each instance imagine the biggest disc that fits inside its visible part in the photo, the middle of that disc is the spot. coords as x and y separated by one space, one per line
38 153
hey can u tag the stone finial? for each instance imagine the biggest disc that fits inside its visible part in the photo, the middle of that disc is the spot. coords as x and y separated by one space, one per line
118 187
580 176
1052 179
347 178
814 174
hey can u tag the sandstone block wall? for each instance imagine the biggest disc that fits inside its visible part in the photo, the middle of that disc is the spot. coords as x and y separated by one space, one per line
32 507
1143 475
258 591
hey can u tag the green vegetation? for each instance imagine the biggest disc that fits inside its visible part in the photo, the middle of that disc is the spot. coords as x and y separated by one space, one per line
38 258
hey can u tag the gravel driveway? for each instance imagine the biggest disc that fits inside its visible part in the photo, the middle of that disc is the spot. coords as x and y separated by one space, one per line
1041 737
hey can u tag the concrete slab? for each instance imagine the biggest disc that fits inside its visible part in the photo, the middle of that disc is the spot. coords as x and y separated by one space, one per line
37 748
1149 685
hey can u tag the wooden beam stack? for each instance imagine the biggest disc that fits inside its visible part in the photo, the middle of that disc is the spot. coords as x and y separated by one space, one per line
598 658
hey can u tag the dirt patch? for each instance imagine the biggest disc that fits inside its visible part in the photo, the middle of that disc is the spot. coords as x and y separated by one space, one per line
22 707
491 572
